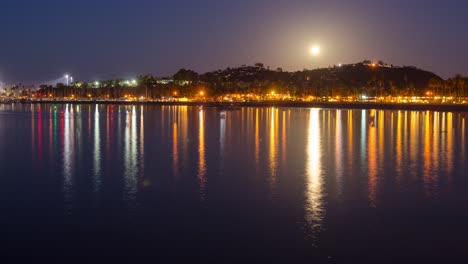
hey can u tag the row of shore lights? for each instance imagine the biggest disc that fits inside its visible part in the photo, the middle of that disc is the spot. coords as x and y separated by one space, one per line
96 83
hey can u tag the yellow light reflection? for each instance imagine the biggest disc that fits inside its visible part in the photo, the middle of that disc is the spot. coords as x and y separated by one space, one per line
436 140
449 151
283 138
414 140
372 165
314 209
427 177
273 145
257 139
175 152
183 125
201 155
399 147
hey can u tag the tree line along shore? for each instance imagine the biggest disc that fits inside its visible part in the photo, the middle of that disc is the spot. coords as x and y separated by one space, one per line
365 81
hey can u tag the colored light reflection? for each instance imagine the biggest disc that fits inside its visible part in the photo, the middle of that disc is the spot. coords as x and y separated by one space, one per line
130 157
68 153
97 151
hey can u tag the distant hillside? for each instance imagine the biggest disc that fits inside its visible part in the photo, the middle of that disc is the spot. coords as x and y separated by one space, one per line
363 77
358 79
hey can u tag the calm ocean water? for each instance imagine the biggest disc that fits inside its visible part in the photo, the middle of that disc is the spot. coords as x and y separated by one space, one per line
266 184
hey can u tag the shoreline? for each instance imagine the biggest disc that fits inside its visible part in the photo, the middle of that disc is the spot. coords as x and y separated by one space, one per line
291 104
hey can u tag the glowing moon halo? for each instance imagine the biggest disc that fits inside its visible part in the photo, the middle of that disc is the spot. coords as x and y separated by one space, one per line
315 51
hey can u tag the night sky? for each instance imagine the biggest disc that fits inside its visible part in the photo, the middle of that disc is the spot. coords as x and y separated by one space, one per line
97 39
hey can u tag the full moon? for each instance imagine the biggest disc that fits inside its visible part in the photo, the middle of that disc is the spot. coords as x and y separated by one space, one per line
315 50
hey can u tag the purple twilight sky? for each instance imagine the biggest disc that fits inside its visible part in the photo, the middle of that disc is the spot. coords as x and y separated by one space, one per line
97 39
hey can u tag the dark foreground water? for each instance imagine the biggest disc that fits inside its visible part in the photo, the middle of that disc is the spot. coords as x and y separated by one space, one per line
265 184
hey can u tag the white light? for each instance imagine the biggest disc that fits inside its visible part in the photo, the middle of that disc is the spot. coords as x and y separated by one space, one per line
134 81
339 65
315 50
96 83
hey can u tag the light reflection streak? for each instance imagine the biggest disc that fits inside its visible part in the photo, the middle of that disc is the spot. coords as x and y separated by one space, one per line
257 140
130 157
141 149
449 150
314 208
463 135
39 134
436 140
350 139
222 135
108 131
381 126
273 146
51 137
338 152
399 148
372 164
97 151
363 150
68 156
33 132
413 142
427 177
201 155
175 151
283 138
183 124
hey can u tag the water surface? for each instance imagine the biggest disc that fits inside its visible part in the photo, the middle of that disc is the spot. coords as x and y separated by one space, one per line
267 184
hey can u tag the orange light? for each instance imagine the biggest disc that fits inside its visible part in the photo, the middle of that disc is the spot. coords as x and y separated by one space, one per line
202 93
